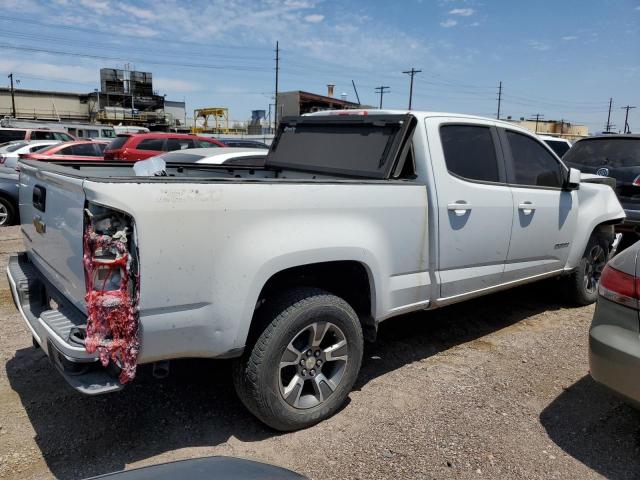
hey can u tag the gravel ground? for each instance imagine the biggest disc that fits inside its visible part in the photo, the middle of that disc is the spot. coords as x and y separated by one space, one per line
494 388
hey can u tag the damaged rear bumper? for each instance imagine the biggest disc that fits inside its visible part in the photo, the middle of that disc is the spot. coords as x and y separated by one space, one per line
57 326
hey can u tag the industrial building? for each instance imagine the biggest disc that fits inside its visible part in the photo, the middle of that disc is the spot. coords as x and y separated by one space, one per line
125 97
299 102
558 128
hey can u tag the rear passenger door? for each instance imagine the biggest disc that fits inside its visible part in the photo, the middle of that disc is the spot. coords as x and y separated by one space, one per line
544 215
474 205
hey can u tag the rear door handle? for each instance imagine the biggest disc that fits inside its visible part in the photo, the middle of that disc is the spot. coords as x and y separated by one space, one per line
459 208
527 208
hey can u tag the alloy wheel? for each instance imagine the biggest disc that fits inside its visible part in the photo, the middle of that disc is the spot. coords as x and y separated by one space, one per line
313 364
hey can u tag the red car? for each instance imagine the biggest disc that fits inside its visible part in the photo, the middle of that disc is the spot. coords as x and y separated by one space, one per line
77 150
134 147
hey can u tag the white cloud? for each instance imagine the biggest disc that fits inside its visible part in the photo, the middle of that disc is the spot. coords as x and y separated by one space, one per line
568 38
449 23
175 85
49 70
314 18
97 6
141 13
463 12
540 46
141 30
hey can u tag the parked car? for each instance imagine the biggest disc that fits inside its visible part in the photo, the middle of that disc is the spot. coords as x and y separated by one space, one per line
10 152
286 268
9 184
216 156
557 144
88 150
206 468
243 143
618 157
614 337
75 129
11 134
134 147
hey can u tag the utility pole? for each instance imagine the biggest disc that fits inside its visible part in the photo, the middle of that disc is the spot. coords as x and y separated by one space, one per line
356 90
538 116
411 73
13 98
381 89
608 127
499 99
626 118
275 115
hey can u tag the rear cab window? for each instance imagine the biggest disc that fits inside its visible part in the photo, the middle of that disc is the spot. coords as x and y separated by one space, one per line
118 142
470 152
532 164
605 152
10 135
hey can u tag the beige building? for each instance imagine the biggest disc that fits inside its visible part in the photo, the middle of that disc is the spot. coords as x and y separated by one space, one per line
46 105
557 128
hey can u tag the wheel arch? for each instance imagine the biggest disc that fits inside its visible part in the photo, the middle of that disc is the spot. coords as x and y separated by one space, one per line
351 280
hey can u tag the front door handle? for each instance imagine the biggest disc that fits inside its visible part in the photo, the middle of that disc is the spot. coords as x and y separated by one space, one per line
459 208
527 208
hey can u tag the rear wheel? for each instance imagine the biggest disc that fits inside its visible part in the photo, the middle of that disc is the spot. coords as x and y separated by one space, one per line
303 365
7 212
583 281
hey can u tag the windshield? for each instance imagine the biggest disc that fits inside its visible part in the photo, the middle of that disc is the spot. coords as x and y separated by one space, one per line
558 146
612 152
14 146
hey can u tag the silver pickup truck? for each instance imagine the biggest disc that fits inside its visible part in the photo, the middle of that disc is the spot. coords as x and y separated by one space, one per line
355 217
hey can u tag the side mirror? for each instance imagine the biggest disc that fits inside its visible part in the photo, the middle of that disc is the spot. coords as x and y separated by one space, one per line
572 181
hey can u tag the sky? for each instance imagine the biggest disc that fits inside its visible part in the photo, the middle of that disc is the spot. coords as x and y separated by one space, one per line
561 59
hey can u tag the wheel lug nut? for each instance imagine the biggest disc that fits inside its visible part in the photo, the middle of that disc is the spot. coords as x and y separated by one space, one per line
304 371
302 363
317 353
312 372
309 352
319 362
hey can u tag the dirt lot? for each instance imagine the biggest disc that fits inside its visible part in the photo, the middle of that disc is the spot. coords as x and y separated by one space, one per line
494 388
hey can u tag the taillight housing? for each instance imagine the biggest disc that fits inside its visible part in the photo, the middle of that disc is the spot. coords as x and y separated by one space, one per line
2 159
619 287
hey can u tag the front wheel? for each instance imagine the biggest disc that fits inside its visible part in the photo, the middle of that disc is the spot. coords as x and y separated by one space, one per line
304 364
7 212
583 281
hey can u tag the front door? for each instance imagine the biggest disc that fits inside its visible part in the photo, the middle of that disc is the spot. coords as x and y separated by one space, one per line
474 205
544 215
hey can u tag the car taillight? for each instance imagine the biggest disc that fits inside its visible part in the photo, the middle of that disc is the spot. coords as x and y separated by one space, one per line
619 287
2 159
636 182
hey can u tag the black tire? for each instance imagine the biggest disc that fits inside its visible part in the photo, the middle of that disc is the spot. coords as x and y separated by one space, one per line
582 282
258 374
7 212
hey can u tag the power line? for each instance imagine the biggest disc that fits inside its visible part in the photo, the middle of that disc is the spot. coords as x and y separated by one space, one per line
136 60
626 118
411 73
381 90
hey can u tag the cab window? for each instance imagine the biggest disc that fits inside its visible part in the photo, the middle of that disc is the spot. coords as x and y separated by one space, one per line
469 152
532 163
